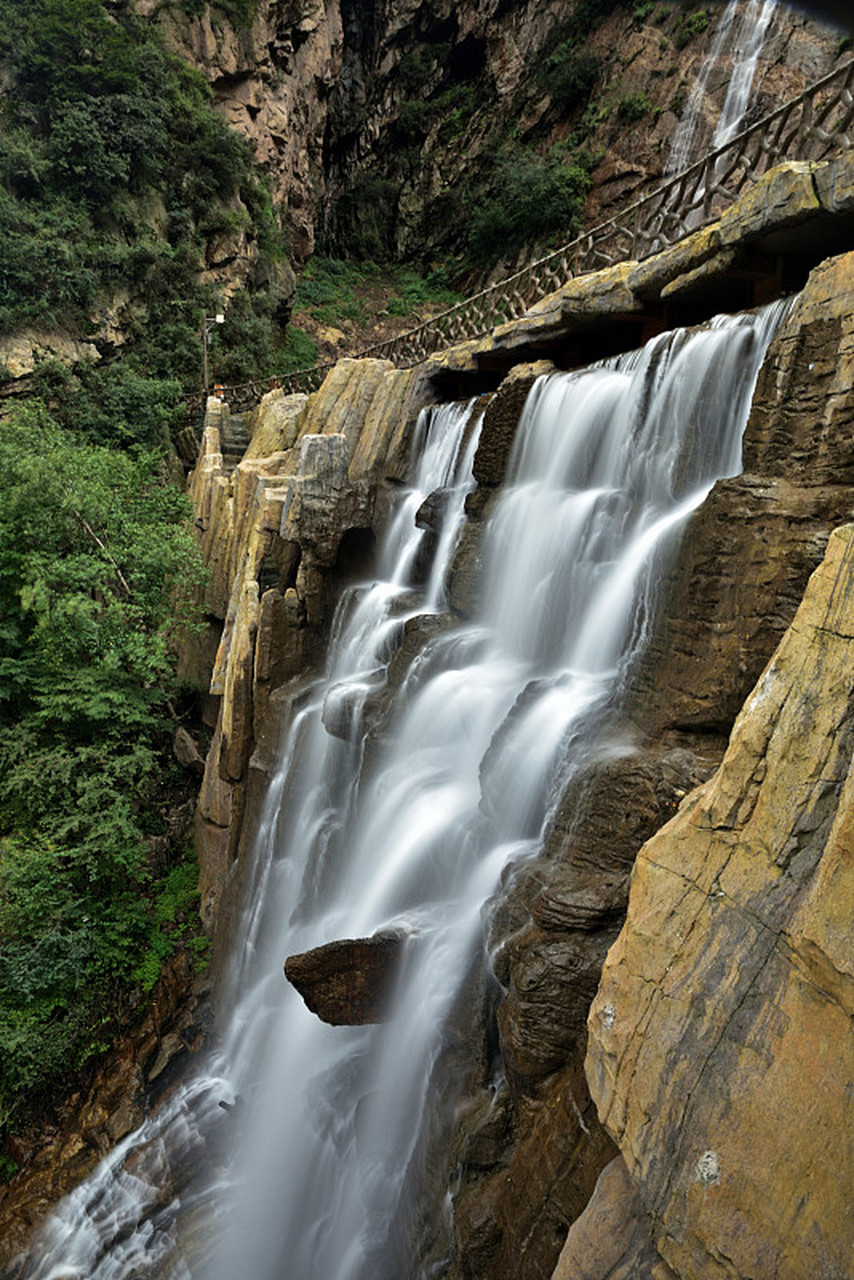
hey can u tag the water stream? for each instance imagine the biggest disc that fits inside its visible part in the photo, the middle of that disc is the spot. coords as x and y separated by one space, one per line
740 35
314 1171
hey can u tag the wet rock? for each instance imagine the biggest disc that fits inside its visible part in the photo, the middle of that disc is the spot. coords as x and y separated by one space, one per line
749 550
729 994
612 1236
115 1093
348 983
501 420
562 914
511 1224
433 510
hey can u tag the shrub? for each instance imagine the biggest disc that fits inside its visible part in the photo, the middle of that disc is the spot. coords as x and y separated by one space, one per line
298 351
532 198
569 74
634 106
692 25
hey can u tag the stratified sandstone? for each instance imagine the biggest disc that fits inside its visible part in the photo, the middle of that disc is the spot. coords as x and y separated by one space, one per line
279 533
721 1051
751 547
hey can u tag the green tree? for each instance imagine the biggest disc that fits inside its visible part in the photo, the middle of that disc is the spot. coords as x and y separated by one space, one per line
98 567
533 198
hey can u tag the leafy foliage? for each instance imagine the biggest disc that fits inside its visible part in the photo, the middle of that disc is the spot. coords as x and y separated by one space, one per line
634 106
298 351
97 571
690 26
532 199
569 73
115 175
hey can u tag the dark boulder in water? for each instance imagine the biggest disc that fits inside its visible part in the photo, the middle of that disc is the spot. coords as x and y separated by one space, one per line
347 982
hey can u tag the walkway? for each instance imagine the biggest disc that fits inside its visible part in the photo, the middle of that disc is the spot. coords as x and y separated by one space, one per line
817 125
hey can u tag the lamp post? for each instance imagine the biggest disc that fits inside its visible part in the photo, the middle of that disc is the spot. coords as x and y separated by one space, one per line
208 323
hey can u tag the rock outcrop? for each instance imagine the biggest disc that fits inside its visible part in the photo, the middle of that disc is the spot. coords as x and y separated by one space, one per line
348 983
746 558
280 534
721 1053
275 586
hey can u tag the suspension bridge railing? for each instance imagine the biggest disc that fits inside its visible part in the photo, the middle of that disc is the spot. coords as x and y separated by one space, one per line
816 125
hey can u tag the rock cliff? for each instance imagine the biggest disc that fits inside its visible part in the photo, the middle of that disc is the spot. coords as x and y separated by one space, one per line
280 533
746 560
381 126
721 1054
282 529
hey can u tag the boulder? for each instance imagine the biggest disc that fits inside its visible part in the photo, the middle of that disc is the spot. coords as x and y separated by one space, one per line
186 751
348 983
612 1236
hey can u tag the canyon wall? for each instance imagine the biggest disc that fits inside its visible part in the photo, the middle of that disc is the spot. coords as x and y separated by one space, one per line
528 1160
382 126
296 516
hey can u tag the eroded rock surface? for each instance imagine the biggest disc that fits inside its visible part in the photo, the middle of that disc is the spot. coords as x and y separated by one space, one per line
115 1094
612 1237
721 1055
279 532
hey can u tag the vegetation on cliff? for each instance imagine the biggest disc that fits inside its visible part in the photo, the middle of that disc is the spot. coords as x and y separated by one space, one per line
120 189
98 567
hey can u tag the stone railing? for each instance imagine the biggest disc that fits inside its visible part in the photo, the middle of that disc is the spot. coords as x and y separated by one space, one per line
816 125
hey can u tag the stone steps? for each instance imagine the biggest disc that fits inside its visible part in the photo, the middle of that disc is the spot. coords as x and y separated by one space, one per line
234 440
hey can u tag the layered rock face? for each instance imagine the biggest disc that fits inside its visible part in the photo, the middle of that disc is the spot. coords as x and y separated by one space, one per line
280 534
746 558
529 1160
378 124
282 530
721 1054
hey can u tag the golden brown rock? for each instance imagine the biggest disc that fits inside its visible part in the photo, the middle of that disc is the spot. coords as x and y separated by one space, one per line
781 198
721 1053
272 532
612 1236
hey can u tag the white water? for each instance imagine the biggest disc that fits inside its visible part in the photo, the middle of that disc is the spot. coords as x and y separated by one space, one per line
740 35
414 833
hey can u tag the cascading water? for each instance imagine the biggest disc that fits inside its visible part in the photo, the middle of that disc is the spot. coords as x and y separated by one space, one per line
413 832
750 38
740 34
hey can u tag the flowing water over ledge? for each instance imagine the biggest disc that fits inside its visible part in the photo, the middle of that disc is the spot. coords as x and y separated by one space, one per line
297 1151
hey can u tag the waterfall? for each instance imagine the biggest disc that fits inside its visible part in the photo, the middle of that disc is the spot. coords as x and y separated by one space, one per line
405 817
741 33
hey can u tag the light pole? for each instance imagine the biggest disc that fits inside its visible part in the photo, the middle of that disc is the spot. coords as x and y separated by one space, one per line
208 323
